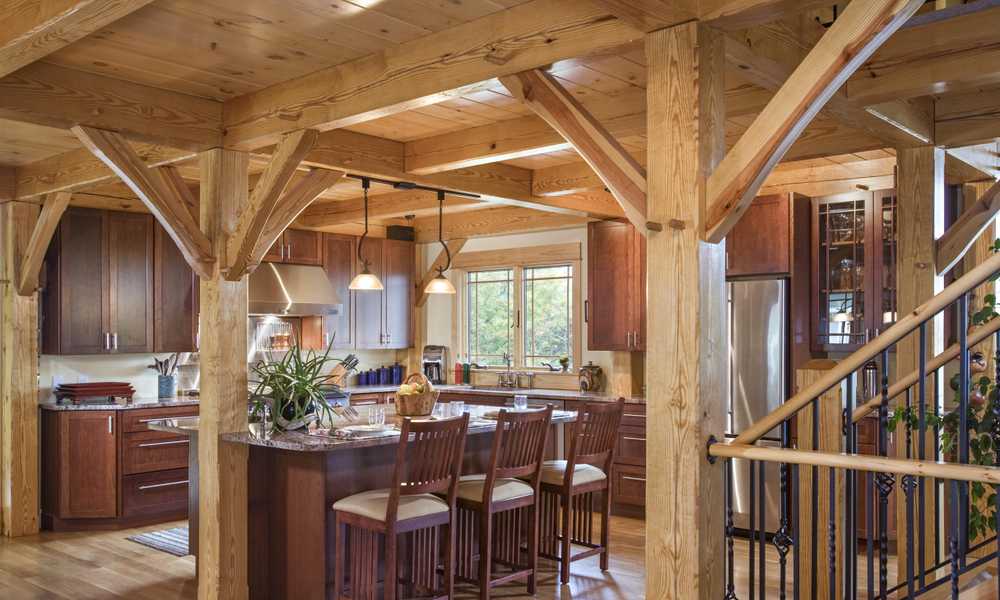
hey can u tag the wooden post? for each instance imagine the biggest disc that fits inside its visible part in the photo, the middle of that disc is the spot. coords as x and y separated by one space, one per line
18 377
829 440
687 360
222 480
920 195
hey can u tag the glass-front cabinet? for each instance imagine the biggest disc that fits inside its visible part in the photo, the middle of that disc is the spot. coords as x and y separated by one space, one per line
854 268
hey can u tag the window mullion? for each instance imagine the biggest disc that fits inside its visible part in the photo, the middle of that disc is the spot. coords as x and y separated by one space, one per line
518 305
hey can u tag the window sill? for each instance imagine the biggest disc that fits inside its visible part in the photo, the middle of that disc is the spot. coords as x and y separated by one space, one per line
570 373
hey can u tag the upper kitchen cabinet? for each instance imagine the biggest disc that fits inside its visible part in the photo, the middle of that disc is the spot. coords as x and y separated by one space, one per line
175 326
383 319
99 301
341 255
615 309
297 246
853 271
760 242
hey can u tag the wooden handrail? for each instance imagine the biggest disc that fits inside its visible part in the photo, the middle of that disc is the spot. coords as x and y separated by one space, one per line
975 336
859 462
858 358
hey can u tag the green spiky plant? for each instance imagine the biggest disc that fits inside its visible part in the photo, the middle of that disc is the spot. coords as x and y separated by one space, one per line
294 388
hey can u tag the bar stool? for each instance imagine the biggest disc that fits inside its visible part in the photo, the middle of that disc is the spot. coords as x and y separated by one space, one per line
428 462
493 503
589 460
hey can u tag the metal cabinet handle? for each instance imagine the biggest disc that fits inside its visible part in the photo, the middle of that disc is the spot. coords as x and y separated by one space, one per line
630 478
107 340
586 311
637 416
170 443
163 418
633 439
635 339
111 424
114 340
153 486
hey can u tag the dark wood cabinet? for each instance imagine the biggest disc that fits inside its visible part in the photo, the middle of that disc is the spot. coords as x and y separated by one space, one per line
383 319
760 243
98 296
341 256
175 324
853 268
297 246
80 464
616 287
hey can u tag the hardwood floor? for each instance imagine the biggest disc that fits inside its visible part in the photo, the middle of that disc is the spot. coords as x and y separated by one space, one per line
104 565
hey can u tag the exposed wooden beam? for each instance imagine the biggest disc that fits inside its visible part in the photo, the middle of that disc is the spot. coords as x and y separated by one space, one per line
735 14
151 186
381 206
246 247
984 158
454 246
32 29
425 70
624 177
967 119
55 205
55 96
956 241
650 15
861 29
296 199
493 221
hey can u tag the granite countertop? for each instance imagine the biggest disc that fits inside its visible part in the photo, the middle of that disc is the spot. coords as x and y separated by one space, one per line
304 442
136 404
497 391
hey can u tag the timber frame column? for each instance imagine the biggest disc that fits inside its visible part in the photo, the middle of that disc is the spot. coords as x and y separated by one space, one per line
18 377
222 481
686 355
919 200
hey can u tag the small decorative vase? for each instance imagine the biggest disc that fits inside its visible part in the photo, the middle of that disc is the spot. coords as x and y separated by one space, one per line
167 386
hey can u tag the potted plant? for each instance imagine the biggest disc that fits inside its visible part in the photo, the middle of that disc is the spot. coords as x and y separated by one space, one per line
293 390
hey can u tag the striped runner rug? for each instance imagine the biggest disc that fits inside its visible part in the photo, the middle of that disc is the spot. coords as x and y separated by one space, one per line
172 541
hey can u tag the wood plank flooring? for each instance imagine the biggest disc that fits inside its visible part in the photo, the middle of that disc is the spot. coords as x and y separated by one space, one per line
105 565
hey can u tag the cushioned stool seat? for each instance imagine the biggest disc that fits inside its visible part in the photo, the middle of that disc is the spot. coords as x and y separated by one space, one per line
470 487
373 503
554 472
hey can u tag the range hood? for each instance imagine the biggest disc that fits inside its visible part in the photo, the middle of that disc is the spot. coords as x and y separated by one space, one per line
292 290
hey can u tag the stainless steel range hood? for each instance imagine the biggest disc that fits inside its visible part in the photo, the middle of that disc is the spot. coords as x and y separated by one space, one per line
292 290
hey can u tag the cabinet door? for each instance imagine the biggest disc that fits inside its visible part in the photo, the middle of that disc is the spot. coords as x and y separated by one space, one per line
277 251
368 308
341 256
303 247
176 297
638 291
130 270
88 464
759 243
79 319
609 294
399 262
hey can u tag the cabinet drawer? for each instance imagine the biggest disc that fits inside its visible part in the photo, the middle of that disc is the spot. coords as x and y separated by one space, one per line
634 415
135 420
629 485
164 492
631 446
154 451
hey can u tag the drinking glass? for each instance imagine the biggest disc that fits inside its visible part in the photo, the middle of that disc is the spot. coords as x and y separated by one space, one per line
520 402
376 415
457 408
440 411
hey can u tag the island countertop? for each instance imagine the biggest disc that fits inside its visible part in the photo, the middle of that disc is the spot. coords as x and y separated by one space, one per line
543 393
305 442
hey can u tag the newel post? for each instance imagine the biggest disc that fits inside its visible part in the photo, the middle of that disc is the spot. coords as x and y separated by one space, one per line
687 363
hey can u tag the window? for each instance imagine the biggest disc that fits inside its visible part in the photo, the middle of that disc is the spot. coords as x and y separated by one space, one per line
525 312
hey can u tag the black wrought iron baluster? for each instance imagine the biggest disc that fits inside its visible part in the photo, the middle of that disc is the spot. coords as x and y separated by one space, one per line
953 542
814 520
782 540
963 425
938 491
996 432
922 455
752 537
908 484
871 388
762 527
730 531
831 534
796 550
883 481
850 504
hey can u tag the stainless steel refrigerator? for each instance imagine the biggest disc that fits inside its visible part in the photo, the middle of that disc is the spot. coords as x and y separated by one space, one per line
758 359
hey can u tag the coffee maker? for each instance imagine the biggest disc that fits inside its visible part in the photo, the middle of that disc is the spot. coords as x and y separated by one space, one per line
435 363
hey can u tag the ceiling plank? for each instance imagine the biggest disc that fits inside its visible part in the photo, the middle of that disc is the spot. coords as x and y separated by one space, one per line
52 210
967 119
861 29
55 96
963 233
736 14
650 15
624 177
32 30
443 258
425 70
151 187
381 206
493 221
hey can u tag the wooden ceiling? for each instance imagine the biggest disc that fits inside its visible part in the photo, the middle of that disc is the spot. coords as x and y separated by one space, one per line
219 51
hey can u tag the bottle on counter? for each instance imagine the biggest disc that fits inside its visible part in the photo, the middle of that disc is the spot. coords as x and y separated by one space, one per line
458 372
466 373
363 378
397 373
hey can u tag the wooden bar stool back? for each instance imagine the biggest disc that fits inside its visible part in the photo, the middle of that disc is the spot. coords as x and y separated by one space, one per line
498 506
421 502
568 488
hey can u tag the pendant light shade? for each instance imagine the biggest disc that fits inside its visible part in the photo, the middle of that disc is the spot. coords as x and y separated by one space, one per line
365 280
440 284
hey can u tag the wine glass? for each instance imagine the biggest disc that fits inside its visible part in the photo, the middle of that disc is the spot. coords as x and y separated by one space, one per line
520 402
376 416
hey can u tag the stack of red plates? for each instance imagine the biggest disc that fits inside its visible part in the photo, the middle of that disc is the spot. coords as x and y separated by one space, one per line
96 391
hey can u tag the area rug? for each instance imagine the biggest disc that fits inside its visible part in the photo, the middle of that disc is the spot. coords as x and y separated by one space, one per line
172 541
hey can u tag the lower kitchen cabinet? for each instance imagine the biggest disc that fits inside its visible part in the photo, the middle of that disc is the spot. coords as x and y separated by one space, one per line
107 469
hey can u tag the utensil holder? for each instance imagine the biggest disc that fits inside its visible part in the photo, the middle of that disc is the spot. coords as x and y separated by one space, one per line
166 386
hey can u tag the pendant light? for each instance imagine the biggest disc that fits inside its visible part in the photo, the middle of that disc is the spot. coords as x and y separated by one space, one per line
440 284
365 280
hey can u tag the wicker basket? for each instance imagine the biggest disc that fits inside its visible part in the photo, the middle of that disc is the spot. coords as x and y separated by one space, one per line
417 405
